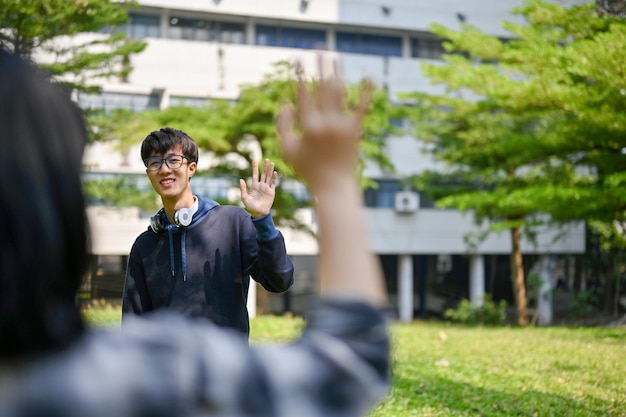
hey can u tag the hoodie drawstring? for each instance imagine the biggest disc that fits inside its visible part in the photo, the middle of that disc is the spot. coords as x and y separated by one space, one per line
170 233
182 252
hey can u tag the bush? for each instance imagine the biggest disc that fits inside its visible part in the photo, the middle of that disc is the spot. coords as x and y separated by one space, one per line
489 314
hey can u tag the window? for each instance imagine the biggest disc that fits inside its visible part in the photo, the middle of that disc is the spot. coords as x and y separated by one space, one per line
360 43
297 189
230 32
192 29
289 37
139 26
215 187
427 48
384 195
137 181
111 101
188 101
206 30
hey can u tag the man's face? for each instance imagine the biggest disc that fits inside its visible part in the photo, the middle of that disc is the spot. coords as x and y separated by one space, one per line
170 181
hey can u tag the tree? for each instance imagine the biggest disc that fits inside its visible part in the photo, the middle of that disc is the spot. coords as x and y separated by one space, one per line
63 37
532 128
234 133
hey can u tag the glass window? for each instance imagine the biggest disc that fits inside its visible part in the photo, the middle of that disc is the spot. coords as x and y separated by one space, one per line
384 195
427 48
360 43
191 29
110 101
143 26
138 26
230 33
297 189
188 101
205 30
267 36
215 187
289 37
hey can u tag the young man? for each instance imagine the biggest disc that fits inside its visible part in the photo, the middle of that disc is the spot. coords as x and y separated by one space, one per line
164 364
197 256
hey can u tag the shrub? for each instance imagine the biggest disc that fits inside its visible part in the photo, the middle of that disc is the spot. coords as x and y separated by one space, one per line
489 314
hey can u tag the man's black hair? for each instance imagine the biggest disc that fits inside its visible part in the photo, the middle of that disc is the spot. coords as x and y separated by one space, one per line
161 141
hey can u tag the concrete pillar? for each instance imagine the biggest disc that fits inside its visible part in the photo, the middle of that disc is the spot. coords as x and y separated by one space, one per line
251 304
477 280
331 34
250 32
405 288
544 299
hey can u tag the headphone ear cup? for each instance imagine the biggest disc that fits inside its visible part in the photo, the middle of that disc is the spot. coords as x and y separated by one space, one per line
183 217
156 222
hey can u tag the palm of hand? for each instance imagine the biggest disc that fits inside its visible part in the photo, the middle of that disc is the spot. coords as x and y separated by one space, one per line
330 133
259 198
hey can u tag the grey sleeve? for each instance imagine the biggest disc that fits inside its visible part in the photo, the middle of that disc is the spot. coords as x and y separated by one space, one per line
171 366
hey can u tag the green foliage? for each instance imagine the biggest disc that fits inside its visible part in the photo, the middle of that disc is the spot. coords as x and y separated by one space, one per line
530 130
446 370
583 302
234 133
119 192
98 317
489 314
532 125
45 27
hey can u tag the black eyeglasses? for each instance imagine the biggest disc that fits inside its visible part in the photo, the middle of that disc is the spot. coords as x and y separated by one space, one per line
173 161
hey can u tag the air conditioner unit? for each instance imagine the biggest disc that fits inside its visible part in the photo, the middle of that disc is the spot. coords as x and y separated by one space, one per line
407 202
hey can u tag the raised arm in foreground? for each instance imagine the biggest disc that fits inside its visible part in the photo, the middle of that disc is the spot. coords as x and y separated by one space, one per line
325 156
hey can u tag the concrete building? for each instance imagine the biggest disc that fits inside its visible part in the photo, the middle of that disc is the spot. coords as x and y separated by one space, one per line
204 49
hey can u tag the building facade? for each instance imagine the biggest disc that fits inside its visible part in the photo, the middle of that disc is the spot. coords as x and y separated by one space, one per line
200 50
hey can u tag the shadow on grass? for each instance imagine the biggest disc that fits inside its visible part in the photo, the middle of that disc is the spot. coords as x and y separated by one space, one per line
439 396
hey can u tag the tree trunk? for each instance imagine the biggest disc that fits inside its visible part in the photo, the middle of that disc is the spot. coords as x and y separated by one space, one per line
517 277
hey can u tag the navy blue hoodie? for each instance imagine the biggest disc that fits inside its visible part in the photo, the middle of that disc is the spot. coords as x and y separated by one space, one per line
203 270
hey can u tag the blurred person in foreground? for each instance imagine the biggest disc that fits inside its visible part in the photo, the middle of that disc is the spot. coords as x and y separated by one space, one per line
165 364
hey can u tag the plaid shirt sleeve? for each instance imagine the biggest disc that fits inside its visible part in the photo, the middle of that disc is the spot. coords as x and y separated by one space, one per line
171 366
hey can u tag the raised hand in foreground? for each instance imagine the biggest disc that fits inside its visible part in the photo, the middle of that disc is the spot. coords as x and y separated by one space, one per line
325 155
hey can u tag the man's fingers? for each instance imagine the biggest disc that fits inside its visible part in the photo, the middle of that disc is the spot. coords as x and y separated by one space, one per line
263 171
266 174
255 171
243 187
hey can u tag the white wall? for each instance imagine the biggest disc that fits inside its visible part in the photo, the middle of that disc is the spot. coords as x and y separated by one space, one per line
405 14
432 231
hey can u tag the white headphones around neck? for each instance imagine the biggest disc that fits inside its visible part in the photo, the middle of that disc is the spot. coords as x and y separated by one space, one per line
182 217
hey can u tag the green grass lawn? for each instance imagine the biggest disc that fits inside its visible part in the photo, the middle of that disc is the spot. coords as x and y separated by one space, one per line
447 370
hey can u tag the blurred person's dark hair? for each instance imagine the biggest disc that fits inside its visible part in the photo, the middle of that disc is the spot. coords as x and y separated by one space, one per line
44 238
